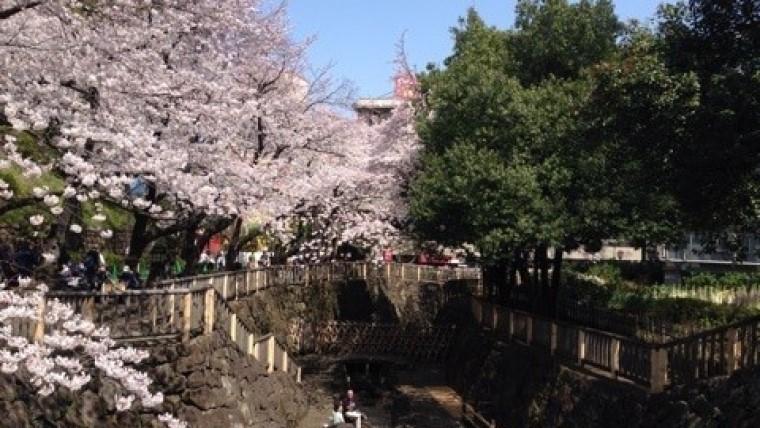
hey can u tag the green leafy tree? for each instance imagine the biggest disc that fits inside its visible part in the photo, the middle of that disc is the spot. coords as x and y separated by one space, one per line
639 115
718 41
556 38
480 111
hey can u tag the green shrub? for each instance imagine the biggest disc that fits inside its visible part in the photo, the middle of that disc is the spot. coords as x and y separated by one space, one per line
701 279
734 280
607 271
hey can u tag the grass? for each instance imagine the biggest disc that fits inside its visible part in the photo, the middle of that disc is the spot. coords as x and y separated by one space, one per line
703 303
17 220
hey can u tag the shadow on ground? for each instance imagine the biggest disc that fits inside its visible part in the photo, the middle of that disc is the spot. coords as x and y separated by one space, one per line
391 397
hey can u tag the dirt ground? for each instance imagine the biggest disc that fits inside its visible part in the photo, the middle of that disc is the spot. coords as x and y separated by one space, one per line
415 399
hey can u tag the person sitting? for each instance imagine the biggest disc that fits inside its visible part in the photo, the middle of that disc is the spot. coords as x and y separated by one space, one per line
349 403
336 417
350 411
129 278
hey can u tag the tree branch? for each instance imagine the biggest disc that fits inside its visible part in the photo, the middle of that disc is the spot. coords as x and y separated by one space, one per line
7 13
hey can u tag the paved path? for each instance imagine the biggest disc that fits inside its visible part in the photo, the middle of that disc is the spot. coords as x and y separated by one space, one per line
421 400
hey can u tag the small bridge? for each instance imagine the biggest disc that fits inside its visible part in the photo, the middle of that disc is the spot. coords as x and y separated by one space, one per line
400 343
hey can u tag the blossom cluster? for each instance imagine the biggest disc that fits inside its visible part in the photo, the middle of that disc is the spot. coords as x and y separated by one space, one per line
69 349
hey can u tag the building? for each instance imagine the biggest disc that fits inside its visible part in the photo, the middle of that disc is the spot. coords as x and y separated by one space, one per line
375 110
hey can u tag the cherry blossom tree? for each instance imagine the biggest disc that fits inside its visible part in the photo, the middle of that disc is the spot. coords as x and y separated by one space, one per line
68 352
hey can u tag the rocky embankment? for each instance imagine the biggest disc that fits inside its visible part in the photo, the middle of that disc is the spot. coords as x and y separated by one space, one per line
207 382
522 387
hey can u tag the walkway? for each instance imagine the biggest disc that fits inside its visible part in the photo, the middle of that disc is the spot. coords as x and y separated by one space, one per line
421 399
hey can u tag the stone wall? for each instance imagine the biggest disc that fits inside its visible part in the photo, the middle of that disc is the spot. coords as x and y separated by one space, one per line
207 382
424 303
281 309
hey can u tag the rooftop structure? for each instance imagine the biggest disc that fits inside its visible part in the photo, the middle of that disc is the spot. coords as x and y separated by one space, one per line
375 110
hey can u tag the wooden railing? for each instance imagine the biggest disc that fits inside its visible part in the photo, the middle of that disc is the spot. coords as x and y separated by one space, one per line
654 366
181 308
265 349
233 284
472 418
143 314
175 313
422 273
719 351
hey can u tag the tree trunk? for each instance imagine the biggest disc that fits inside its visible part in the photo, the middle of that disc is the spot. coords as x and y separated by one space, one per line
60 231
541 294
140 240
495 279
556 280
234 247
190 252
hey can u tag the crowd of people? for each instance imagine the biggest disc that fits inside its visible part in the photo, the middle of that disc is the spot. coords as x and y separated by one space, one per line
91 274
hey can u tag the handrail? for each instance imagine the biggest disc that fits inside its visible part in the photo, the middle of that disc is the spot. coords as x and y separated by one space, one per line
147 292
252 344
719 351
711 332
471 416
182 307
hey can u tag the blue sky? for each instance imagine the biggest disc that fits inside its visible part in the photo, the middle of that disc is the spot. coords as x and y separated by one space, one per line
359 37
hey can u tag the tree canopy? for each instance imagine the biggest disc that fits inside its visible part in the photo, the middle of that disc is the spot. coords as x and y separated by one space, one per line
572 128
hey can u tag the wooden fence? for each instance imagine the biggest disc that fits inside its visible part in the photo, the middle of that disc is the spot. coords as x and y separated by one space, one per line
233 284
720 351
174 314
181 308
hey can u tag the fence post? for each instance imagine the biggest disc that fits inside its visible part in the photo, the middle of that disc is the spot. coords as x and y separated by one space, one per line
88 308
529 329
39 326
581 346
224 287
733 350
270 354
250 344
187 315
615 357
419 273
658 370
553 339
208 311
170 303
298 375
284 361
233 327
